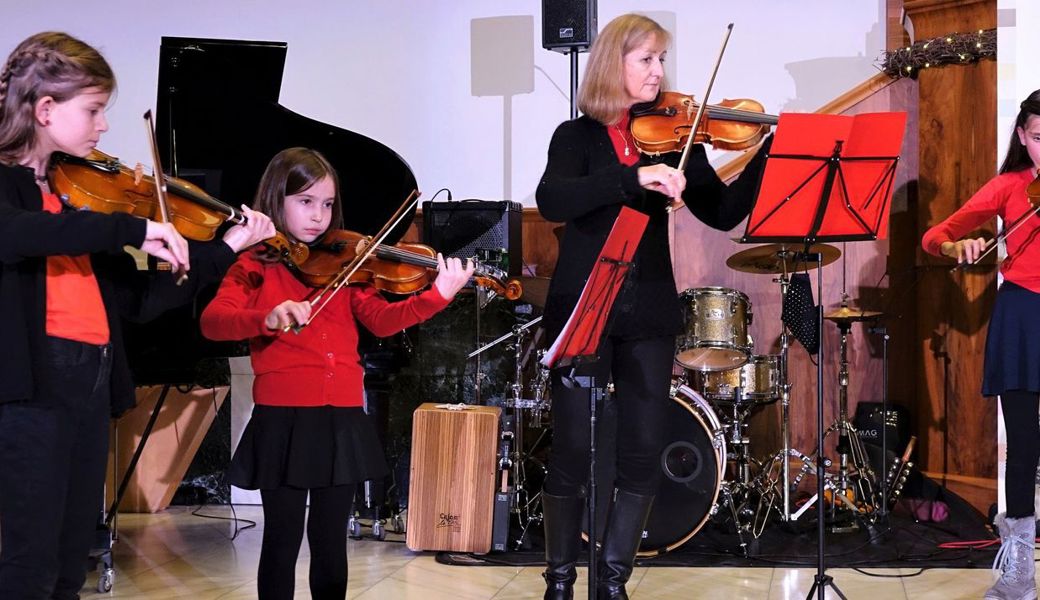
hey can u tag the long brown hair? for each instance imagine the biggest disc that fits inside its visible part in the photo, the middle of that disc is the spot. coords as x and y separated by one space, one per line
1017 157
46 64
292 171
602 94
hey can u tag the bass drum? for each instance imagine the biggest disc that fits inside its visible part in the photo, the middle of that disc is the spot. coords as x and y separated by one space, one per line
692 462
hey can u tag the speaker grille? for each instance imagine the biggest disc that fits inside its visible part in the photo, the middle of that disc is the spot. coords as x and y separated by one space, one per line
465 228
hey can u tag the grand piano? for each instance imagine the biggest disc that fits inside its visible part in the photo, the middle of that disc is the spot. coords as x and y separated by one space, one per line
218 123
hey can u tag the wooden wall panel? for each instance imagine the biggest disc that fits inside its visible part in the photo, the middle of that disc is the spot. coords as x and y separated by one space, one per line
957 153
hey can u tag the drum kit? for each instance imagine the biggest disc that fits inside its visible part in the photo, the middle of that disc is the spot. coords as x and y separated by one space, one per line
709 463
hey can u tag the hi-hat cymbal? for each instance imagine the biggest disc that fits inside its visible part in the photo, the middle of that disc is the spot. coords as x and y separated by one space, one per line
536 290
851 314
779 258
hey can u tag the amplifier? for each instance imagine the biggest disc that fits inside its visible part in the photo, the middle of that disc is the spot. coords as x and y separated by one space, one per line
477 228
452 484
868 423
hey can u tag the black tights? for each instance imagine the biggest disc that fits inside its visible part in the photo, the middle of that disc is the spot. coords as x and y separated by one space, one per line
284 511
1023 450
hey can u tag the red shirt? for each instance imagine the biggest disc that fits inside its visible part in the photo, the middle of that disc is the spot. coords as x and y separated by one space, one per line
74 307
1004 195
621 137
320 365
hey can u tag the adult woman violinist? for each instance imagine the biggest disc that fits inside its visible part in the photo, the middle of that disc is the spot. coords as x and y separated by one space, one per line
1012 364
593 170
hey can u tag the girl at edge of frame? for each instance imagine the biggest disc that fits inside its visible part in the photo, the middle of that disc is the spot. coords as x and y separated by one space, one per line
1012 359
308 434
65 284
593 170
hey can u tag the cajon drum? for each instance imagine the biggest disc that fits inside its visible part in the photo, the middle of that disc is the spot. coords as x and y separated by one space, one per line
452 486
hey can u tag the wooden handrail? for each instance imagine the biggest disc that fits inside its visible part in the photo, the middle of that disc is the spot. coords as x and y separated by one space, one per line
842 103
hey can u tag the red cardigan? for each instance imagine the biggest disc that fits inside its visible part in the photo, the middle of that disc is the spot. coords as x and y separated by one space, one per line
1004 195
320 365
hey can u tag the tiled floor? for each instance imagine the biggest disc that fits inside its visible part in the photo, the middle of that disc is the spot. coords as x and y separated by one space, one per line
176 555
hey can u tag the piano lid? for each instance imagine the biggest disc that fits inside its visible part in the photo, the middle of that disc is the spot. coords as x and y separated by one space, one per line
218 124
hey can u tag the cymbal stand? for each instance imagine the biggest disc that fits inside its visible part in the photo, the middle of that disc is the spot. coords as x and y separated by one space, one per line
853 464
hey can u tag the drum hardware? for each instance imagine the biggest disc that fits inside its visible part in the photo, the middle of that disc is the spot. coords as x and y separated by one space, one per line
524 502
854 470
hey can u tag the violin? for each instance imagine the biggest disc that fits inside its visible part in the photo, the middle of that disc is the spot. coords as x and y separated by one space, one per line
101 183
665 125
402 268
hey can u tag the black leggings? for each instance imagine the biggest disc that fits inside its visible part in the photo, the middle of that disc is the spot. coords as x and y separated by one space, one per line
642 374
284 511
1023 450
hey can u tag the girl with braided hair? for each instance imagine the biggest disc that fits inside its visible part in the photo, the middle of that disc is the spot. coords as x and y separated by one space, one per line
65 283
1012 360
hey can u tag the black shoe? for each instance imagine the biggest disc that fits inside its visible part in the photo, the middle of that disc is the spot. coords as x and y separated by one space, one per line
562 517
624 532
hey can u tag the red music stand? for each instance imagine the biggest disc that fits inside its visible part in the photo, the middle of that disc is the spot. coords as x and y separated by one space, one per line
828 178
579 341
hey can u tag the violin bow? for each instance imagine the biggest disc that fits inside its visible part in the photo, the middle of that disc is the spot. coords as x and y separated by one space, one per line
343 277
678 203
160 184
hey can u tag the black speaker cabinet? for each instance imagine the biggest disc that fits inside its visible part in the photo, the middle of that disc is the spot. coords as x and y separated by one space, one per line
489 230
868 422
568 24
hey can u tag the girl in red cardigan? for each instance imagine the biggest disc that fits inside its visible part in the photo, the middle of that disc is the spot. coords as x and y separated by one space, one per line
1012 363
308 433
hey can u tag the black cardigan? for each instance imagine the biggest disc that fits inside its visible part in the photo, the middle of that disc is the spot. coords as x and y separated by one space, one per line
585 186
28 235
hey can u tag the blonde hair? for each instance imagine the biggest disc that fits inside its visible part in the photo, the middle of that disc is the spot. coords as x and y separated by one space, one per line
602 95
292 171
46 64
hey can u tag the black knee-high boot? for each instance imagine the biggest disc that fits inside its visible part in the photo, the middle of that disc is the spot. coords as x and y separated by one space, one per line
624 531
562 515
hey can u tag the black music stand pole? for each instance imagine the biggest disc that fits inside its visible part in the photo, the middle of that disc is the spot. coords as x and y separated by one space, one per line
578 343
803 174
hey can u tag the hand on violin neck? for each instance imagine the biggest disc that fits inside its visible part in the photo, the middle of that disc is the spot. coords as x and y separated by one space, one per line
452 275
663 179
287 314
162 241
257 228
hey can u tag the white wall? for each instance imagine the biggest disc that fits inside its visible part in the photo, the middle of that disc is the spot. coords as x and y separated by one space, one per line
399 71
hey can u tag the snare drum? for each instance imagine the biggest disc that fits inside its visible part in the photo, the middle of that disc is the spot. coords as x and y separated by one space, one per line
758 379
716 329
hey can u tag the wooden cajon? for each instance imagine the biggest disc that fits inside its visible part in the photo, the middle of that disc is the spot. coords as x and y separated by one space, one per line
452 485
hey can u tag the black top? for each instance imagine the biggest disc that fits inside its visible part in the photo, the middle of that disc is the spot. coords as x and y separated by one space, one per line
28 235
585 185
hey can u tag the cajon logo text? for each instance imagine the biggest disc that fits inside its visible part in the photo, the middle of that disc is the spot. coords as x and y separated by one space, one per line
450 520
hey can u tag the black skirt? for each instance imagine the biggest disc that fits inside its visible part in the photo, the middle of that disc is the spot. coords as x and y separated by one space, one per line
1013 342
307 447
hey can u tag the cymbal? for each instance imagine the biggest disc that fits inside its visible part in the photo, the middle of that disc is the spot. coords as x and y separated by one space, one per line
851 314
779 258
536 290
